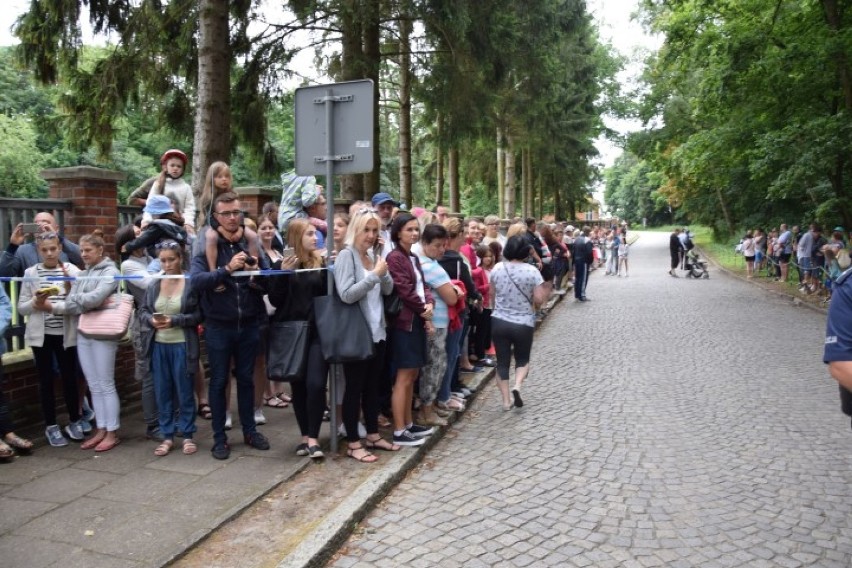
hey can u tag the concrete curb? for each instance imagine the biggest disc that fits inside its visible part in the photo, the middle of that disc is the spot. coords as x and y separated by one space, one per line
318 546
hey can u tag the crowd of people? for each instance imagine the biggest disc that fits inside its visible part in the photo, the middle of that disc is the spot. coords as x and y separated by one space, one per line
819 258
441 297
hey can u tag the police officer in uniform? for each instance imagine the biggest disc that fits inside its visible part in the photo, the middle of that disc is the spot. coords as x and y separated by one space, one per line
838 339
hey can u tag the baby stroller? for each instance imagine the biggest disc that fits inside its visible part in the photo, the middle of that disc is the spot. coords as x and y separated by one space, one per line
694 266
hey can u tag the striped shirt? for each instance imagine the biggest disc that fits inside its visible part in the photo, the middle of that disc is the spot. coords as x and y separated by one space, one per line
53 324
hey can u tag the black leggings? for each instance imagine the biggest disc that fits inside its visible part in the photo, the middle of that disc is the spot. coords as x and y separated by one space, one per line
309 394
507 336
67 358
361 394
482 334
5 414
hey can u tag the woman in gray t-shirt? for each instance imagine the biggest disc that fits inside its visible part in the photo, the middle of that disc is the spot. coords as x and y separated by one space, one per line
517 289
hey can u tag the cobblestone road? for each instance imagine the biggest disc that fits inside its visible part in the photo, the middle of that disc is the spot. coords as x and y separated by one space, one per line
668 422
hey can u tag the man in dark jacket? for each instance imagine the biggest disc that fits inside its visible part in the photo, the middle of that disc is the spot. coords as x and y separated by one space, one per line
19 255
232 310
583 258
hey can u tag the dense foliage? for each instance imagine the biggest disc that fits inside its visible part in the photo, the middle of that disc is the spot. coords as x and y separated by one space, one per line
483 80
749 114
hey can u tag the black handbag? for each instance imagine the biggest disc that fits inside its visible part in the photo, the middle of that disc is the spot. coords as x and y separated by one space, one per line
393 305
287 350
343 331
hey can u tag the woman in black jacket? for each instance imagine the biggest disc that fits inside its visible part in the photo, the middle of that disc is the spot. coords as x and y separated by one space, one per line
293 297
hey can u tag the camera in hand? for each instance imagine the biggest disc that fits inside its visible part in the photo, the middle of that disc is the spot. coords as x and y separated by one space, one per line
251 261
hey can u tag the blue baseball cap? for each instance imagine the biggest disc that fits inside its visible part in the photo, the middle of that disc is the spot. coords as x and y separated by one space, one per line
383 197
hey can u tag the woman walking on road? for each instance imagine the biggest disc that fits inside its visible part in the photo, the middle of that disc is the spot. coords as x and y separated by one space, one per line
674 251
518 290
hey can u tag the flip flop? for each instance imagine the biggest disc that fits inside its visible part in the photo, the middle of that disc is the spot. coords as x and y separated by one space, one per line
6 452
20 444
189 447
163 449
106 446
274 402
92 442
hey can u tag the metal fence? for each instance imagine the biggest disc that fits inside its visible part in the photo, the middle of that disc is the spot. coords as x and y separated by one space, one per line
14 211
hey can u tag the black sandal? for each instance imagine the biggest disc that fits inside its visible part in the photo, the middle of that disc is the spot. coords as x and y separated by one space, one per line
205 411
382 444
366 458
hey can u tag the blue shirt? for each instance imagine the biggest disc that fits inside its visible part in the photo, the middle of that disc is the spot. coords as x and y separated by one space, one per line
838 327
435 276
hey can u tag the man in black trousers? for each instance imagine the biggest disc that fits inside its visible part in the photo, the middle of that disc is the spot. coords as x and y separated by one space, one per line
583 258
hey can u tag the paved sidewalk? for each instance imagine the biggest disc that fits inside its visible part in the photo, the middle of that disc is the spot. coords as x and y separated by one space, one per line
127 508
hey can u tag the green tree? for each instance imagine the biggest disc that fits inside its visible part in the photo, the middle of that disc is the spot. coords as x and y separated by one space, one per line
20 159
754 100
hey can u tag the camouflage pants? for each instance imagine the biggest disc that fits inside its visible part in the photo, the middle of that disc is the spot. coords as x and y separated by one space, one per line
433 372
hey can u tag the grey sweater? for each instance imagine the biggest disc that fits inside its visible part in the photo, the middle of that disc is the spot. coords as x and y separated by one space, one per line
353 283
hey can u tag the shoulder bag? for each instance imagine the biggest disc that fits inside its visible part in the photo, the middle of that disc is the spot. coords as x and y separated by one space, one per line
393 304
343 331
108 322
527 298
287 350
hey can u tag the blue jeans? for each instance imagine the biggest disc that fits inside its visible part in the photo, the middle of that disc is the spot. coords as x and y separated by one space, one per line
453 344
581 275
223 346
168 364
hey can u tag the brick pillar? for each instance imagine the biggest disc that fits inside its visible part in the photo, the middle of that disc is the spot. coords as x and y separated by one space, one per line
252 199
94 196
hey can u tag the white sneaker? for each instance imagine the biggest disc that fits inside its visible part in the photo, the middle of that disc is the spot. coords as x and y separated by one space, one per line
55 437
259 418
228 422
362 430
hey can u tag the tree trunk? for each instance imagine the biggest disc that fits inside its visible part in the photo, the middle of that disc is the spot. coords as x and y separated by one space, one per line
526 194
372 63
725 214
351 59
405 25
509 194
526 158
455 192
558 212
501 172
834 18
212 138
439 166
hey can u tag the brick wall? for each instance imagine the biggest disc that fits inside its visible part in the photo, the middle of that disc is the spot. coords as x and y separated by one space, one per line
94 196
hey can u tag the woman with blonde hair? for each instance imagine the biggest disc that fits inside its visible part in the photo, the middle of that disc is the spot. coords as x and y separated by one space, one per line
97 356
293 295
361 275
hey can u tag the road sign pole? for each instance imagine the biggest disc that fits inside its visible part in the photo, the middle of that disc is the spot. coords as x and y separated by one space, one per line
329 246
346 149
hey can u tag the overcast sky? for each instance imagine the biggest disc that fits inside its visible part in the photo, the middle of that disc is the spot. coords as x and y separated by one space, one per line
613 18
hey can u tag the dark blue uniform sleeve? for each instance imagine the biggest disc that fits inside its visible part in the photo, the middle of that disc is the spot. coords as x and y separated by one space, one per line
838 329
